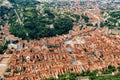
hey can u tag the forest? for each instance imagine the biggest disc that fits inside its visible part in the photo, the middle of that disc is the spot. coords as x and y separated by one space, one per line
32 22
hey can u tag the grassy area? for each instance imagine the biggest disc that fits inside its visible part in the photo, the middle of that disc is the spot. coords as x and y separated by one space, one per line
106 75
74 76
110 77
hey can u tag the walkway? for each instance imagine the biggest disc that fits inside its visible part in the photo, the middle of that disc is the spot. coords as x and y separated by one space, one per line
5 59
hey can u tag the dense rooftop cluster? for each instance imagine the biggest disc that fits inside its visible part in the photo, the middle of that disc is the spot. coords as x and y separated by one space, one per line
87 49
79 43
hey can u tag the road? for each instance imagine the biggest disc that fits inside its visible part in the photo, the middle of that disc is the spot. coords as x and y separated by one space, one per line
20 21
4 64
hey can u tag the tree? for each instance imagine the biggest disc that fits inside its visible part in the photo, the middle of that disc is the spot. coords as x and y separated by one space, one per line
76 16
50 14
18 30
110 70
115 14
85 18
3 48
89 24
118 68
63 25
112 20
36 25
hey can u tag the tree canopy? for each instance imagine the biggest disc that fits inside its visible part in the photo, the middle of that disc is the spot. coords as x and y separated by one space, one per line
31 22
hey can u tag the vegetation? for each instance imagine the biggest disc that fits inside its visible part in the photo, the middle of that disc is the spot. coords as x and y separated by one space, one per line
92 75
109 70
113 21
89 24
38 27
85 18
27 22
3 48
77 17
118 68
8 70
110 77
115 14
73 76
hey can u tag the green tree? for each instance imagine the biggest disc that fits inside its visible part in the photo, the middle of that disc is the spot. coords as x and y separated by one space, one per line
118 68
3 48
85 18
110 70
18 30
63 25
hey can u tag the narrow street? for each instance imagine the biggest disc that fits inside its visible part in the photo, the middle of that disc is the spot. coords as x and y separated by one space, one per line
5 59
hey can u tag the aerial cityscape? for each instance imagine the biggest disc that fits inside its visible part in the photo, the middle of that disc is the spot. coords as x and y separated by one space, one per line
59 39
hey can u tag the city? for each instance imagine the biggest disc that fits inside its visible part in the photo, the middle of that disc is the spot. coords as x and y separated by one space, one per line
59 40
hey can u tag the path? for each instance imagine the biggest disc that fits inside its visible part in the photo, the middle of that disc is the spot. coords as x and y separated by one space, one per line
4 64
